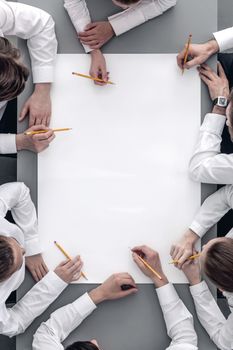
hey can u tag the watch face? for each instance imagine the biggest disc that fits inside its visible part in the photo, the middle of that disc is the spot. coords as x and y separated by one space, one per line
222 102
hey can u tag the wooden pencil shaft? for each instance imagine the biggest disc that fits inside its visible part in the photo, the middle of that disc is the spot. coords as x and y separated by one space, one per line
67 256
187 52
190 258
149 267
44 131
95 79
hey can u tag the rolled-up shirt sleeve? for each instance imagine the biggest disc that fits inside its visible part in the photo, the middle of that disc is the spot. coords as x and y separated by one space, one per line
139 14
212 210
8 143
224 39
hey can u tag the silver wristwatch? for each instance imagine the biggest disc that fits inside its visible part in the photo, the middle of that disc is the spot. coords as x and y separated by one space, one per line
220 101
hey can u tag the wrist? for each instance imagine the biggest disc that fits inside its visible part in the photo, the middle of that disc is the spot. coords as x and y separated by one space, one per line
42 88
95 52
212 47
219 110
191 236
160 283
194 281
97 295
20 142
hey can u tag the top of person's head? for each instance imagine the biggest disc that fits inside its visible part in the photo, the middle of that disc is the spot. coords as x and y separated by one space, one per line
218 263
6 259
13 74
82 345
128 2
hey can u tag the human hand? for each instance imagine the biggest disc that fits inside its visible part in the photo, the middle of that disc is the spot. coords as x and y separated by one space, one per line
35 143
38 106
69 270
153 259
111 288
98 67
192 271
183 249
96 34
217 83
37 267
199 53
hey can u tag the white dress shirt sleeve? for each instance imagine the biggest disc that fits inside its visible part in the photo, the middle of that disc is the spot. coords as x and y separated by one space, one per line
178 319
8 143
224 39
79 15
207 164
212 210
138 14
219 329
15 197
37 27
62 322
15 320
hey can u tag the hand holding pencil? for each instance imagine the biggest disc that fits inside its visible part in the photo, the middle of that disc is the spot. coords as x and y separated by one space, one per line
149 263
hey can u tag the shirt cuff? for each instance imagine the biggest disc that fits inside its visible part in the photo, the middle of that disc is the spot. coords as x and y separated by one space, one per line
197 289
121 24
54 282
8 143
224 39
214 123
167 294
43 74
84 305
32 247
197 228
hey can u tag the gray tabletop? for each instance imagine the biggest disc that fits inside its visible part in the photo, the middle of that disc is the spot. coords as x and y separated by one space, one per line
135 322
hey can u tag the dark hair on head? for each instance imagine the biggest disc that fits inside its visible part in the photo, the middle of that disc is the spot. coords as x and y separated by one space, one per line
82 345
128 2
6 258
218 264
13 75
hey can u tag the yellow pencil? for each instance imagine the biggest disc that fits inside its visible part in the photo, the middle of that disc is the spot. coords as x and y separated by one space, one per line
95 79
192 257
44 131
187 52
149 267
67 256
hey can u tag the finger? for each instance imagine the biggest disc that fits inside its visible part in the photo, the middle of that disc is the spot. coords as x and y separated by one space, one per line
41 272
221 71
138 261
192 63
44 120
38 272
89 26
45 267
129 281
86 34
43 136
172 250
205 80
128 292
183 259
96 47
24 112
34 275
76 267
209 73
76 277
89 39
51 138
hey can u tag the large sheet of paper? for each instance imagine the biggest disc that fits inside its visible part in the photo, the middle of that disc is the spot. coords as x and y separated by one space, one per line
120 177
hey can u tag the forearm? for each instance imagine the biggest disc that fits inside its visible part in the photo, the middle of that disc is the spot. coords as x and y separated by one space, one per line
212 210
62 322
211 318
178 319
79 15
34 303
139 14
207 164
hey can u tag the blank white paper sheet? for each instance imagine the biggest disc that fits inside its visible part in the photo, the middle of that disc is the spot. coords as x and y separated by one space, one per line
120 178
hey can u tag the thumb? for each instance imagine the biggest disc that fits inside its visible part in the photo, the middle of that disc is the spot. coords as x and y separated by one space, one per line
221 72
90 26
24 111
